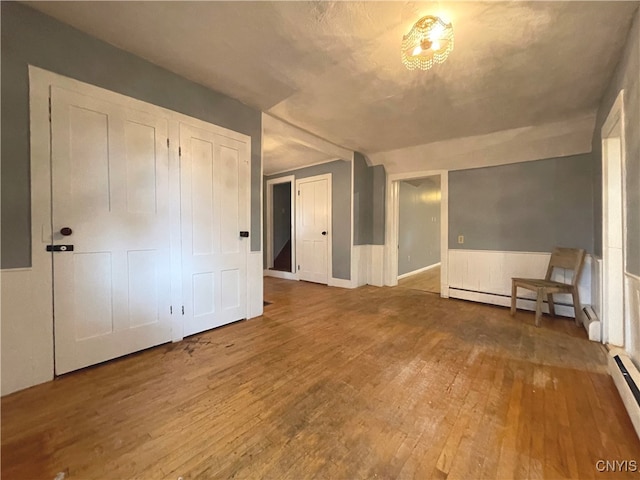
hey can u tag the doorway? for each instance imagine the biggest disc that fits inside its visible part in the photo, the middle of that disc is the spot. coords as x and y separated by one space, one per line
282 238
419 219
281 250
392 242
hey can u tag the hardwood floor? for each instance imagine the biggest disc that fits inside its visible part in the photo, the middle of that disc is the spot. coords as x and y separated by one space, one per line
337 384
427 281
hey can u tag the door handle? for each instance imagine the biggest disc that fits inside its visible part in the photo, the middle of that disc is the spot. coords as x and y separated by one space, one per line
65 231
244 234
59 248
324 233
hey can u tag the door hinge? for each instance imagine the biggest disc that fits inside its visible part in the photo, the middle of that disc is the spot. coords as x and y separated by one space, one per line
167 143
179 151
49 108
183 309
170 310
298 267
298 192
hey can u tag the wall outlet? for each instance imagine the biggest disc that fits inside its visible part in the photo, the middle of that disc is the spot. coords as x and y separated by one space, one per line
460 239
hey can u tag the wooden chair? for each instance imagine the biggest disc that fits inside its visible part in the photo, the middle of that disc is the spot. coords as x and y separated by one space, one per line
568 258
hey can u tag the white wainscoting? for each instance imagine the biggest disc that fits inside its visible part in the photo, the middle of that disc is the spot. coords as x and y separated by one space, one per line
360 261
255 294
375 272
632 333
27 329
367 268
596 286
367 265
485 276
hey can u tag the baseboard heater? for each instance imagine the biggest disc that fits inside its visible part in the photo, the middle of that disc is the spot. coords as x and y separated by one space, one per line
562 309
589 319
627 378
592 324
591 315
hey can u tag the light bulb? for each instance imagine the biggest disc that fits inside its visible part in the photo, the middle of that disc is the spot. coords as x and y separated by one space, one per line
436 32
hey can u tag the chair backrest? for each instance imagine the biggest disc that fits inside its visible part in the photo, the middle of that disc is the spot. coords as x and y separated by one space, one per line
569 259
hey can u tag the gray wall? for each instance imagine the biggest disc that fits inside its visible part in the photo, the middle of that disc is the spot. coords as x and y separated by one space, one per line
362 201
419 224
627 77
379 191
369 185
29 37
281 216
530 206
340 212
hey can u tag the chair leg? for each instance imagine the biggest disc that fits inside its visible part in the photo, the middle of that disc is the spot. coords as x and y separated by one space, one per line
552 308
576 306
539 298
514 292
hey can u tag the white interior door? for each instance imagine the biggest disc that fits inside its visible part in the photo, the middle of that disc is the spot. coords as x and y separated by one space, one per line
110 187
313 238
215 179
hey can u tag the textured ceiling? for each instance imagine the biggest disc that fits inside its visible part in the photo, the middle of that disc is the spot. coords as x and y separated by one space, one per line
333 68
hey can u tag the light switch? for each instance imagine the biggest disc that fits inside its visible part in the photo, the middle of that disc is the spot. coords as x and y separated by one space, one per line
461 239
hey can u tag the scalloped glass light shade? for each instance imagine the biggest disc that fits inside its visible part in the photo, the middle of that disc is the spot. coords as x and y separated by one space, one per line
429 41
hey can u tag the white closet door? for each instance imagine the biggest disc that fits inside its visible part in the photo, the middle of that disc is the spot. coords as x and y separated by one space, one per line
110 187
215 179
312 227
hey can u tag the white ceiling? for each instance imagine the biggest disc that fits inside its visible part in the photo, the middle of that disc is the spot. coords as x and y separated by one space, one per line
285 147
333 68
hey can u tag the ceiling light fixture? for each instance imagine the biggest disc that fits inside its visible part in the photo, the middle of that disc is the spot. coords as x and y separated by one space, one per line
429 41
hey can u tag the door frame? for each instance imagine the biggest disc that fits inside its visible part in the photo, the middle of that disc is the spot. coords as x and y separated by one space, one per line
614 321
328 177
293 275
392 224
41 272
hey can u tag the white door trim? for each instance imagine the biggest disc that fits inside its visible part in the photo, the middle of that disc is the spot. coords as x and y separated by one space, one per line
613 312
270 183
328 178
41 278
392 224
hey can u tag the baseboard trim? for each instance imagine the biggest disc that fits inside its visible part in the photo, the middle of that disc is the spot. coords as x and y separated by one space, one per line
341 283
420 270
280 274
